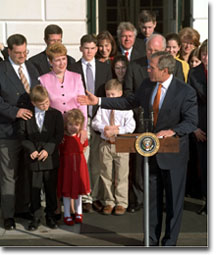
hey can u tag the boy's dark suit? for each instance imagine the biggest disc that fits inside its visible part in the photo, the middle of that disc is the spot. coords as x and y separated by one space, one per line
179 113
40 61
43 171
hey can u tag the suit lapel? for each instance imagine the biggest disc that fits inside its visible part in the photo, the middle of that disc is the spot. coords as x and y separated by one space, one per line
10 72
169 99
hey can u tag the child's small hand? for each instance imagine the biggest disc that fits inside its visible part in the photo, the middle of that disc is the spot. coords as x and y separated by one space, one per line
42 156
34 155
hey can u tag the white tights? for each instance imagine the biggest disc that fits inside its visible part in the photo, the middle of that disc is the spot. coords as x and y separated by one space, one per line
77 205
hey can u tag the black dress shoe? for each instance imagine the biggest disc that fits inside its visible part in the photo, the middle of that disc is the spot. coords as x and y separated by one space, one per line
25 215
9 224
34 224
51 223
57 216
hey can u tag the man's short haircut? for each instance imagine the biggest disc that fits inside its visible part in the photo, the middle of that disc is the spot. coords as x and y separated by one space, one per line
52 29
56 50
147 16
16 39
113 84
165 60
74 116
88 38
159 36
128 26
38 94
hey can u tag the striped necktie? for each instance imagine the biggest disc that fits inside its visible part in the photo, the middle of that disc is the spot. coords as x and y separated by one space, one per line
24 80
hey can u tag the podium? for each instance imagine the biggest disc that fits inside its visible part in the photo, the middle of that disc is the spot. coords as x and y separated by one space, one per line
131 143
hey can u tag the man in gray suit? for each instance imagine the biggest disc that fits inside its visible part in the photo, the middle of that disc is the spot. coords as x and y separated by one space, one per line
14 104
176 115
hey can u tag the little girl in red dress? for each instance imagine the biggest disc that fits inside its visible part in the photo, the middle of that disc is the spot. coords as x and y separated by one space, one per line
73 177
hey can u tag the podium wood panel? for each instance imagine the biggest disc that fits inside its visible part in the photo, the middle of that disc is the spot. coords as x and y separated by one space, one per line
126 143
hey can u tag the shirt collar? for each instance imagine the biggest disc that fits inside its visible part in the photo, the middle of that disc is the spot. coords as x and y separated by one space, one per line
123 50
92 62
37 110
166 83
15 65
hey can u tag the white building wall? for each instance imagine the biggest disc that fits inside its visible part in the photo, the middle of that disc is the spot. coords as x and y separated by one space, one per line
200 15
30 17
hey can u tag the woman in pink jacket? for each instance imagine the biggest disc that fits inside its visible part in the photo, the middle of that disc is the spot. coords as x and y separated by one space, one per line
63 87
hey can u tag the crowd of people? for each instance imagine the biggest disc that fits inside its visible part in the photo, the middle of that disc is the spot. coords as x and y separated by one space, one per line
51 142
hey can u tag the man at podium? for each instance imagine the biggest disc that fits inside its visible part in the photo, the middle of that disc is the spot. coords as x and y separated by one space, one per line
174 107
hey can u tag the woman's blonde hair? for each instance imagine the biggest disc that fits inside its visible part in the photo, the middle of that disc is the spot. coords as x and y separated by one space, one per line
56 50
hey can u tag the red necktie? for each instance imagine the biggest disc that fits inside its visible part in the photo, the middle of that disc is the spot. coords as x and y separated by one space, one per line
126 54
156 104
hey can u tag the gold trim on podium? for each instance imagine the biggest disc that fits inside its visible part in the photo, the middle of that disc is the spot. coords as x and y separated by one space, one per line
147 144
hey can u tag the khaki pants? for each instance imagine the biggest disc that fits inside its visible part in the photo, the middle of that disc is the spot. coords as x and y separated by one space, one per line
92 158
115 185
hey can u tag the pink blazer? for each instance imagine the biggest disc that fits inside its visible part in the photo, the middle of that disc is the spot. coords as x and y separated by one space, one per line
63 96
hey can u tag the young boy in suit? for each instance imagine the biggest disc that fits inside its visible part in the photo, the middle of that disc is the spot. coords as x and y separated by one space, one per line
40 138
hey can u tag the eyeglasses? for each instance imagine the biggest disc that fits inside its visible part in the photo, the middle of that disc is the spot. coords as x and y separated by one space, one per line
20 53
188 43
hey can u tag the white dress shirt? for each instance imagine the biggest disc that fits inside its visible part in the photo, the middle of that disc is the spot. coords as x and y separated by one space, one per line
84 66
124 119
165 86
24 70
39 116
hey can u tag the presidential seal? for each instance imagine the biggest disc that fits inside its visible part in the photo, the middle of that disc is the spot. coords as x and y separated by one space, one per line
147 144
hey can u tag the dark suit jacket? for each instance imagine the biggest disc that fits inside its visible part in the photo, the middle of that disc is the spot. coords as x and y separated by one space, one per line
136 73
12 97
138 50
41 63
48 139
178 112
103 74
198 80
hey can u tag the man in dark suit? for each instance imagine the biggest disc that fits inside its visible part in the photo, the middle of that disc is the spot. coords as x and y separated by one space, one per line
127 43
198 79
40 137
176 115
101 73
138 71
14 104
52 34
